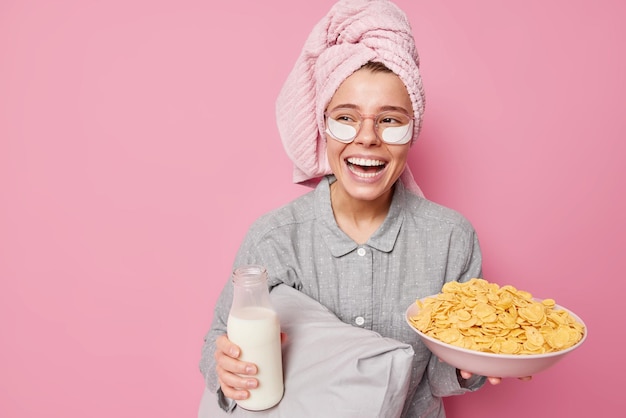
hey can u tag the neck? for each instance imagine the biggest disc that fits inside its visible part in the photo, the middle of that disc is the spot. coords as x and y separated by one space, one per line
359 219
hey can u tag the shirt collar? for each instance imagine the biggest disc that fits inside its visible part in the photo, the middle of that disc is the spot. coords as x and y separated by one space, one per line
338 242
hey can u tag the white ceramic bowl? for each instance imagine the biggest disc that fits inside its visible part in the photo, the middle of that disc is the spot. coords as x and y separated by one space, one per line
489 364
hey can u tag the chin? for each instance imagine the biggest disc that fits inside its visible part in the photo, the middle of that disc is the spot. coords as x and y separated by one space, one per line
368 191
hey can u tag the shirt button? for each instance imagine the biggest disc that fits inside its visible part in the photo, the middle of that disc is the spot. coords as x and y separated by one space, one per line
359 320
361 252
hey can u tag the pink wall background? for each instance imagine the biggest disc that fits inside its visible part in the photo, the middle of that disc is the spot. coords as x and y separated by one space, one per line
124 190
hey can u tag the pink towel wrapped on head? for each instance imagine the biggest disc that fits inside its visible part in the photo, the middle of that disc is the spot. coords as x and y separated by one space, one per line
351 34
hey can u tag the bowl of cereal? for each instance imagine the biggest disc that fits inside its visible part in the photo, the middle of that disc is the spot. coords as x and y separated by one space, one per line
496 331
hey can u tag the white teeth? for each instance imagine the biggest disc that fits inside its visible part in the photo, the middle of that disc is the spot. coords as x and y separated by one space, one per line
365 163
361 174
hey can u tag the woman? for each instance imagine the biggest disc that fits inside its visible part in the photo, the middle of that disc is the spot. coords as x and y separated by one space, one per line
364 243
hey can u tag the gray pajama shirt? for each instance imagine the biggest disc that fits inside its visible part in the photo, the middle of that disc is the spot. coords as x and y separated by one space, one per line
419 247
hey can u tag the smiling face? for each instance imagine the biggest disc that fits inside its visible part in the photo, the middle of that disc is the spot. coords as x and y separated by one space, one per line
367 167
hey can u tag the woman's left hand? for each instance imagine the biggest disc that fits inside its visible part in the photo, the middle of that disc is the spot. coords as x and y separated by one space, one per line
492 380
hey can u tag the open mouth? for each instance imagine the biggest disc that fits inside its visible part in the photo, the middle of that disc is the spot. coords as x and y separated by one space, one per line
364 167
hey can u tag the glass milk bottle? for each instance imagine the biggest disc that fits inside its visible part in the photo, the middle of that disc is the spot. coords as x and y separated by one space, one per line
253 325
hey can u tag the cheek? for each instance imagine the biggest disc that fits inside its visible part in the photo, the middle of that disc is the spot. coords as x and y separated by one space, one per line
401 155
334 150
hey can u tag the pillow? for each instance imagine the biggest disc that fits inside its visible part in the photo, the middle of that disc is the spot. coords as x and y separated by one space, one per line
331 369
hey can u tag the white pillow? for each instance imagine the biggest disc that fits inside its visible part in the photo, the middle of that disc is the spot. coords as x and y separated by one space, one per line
331 369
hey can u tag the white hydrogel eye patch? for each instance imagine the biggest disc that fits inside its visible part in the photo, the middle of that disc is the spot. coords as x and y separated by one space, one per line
398 135
340 131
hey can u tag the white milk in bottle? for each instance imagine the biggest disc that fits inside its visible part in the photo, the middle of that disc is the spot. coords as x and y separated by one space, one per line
253 325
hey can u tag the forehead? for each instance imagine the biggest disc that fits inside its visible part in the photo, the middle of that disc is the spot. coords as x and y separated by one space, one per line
371 90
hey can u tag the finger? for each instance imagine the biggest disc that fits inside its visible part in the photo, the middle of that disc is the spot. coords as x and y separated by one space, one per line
234 375
224 345
235 380
494 380
465 375
233 365
526 378
236 392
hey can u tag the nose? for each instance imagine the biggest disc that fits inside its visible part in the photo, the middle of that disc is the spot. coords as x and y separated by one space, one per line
367 132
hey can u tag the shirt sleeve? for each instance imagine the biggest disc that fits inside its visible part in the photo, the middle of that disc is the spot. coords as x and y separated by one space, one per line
246 254
473 266
207 359
444 379
253 250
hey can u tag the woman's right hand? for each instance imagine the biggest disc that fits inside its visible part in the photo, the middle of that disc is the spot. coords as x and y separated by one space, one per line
234 375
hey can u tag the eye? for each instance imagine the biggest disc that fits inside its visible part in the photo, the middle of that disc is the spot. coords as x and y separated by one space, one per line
393 119
388 120
345 119
344 116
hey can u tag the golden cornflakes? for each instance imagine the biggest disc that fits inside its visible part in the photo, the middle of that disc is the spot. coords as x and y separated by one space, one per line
483 316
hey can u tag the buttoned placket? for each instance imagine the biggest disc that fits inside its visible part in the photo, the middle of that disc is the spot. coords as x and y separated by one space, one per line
360 320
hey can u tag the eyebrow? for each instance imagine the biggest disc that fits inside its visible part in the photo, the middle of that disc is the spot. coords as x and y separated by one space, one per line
381 109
